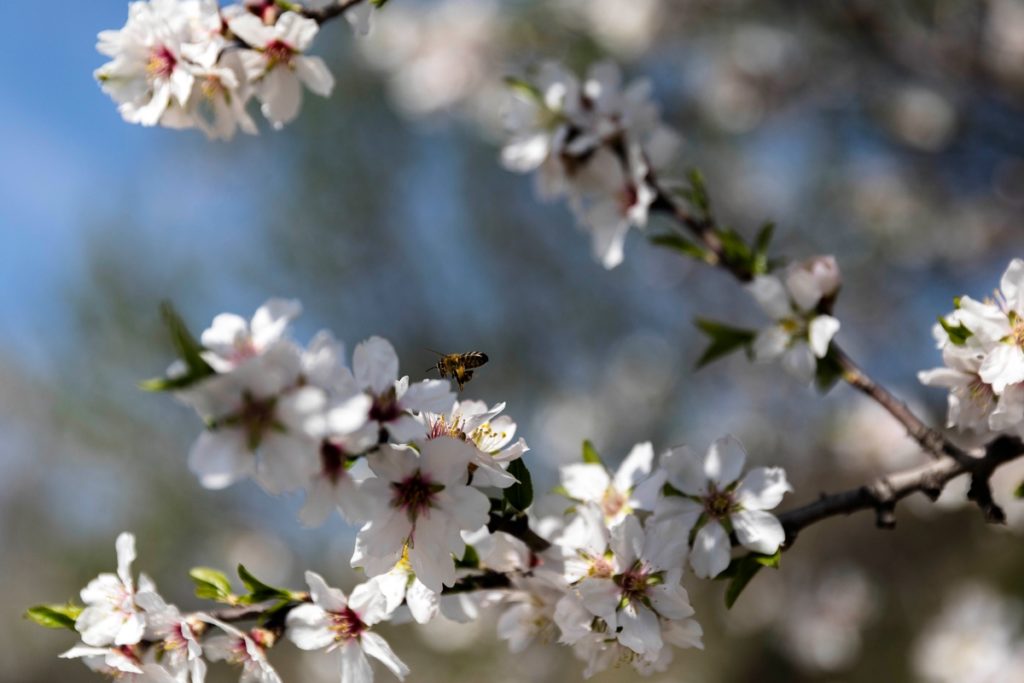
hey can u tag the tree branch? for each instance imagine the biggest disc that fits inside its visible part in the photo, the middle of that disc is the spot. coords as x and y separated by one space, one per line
883 494
328 12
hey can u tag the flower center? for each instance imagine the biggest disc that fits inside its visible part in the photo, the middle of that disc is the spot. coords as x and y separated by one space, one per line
385 407
278 53
414 494
333 461
161 62
256 417
634 584
613 502
441 427
718 504
627 197
346 625
601 568
1017 332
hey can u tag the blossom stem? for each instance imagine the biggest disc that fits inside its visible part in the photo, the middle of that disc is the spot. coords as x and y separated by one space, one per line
332 11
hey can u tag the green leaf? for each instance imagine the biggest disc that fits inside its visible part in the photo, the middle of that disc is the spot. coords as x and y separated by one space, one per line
525 88
1019 491
680 244
827 372
724 340
760 264
211 584
188 349
259 591
54 616
590 455
470 559
735 250
957 335
378 3
698 194
743 570
520 494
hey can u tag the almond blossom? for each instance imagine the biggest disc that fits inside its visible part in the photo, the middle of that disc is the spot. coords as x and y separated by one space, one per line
423 504
277 67
488 430
713 500
343 625
111 615
634 486
179 649
124 663
799 302
231 340
247 650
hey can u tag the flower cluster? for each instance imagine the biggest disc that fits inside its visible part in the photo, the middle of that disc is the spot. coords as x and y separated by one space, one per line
447 525
193 64
595 142
982 344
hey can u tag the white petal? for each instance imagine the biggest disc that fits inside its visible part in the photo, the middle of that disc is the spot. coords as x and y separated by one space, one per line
636 467
685 471
585 481
771 294
1012 285
770 343
308 627
710 554
220 458
820 334
445 460
315 75
758 530
125 546
379 649
724 461
325 597
762 488
375 365
800 362
281 94
355 668
640 629
601 597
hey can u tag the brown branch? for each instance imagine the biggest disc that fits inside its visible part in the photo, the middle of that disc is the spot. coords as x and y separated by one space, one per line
883 494
335 9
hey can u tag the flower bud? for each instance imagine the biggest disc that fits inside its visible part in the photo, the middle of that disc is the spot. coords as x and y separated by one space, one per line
812 281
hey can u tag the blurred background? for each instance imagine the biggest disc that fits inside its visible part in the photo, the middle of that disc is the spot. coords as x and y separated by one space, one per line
888 133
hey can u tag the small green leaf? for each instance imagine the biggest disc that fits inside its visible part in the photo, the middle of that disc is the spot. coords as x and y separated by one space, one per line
957 335
54 616
761 264
743 570
735 250
189 351
525 88
724 340
1019 491
520 494
698 194
590 455
470 559
211 584
378 3
259 591
680 244
827 372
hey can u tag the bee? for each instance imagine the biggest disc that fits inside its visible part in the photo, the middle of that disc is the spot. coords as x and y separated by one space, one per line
459 365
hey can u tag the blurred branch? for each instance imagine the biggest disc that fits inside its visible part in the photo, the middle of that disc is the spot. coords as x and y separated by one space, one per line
328 12
882 494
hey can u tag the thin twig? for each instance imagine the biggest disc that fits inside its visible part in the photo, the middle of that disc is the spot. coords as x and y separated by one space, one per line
336 9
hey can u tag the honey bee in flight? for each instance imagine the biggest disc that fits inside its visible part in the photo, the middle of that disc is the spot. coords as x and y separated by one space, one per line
459 366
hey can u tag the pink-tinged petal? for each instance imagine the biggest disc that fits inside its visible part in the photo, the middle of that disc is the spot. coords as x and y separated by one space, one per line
724 461
296 30
220 457
226 330
375 365
710 554
641 631
315 75
771 294
636 467
445 460
355 668
329 599
369 602
758 530
763 488
804 288
585 481
378 648
671 602
600 597
309 627
820 333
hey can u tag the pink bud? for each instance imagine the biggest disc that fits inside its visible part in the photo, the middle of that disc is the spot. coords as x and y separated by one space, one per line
812 280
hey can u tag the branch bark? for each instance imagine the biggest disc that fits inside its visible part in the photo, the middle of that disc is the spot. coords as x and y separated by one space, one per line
328 12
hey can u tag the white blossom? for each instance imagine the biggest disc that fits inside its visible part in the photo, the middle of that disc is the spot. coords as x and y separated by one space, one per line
247 650
111 615
124 663
231 340
277 67
716 502
634 486
423 505
179 648
343 625
489 431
